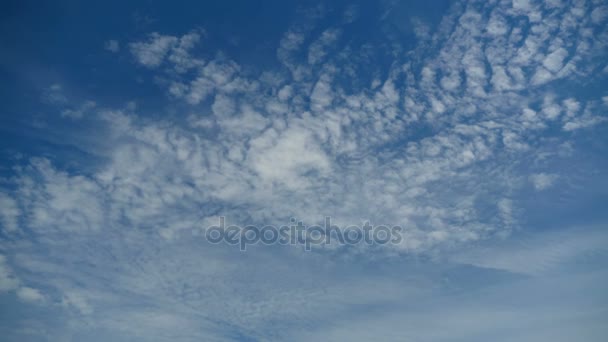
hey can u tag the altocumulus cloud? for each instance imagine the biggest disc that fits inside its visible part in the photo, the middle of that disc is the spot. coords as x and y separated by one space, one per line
448 140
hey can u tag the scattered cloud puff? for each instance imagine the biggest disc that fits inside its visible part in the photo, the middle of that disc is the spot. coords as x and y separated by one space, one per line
152 53
112 45
79 112
7 280
9 213
542 181
29 294
54 95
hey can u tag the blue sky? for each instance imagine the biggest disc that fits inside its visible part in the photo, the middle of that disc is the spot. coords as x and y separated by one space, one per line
479 127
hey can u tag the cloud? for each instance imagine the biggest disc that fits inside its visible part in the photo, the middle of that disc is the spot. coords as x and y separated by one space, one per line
7 280
554 61
9 213
112 45
78 113
537 254
78 301
542 181
318 49
176 50
54 95
29 294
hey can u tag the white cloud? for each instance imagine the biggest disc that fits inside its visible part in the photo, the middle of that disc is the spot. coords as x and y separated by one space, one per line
54 95
321 95
152 52
8 281
497 25
554 61
9 213
522 4
599 14
464 81
505 208
318 49
223 106
180 53
78 301
550 109
538 253
541 76
583 122
29 294
80 112
287 157
285 93
572 106
112 45
542 181
351 13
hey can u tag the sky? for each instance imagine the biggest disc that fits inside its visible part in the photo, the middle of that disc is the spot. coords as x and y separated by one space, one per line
127 129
